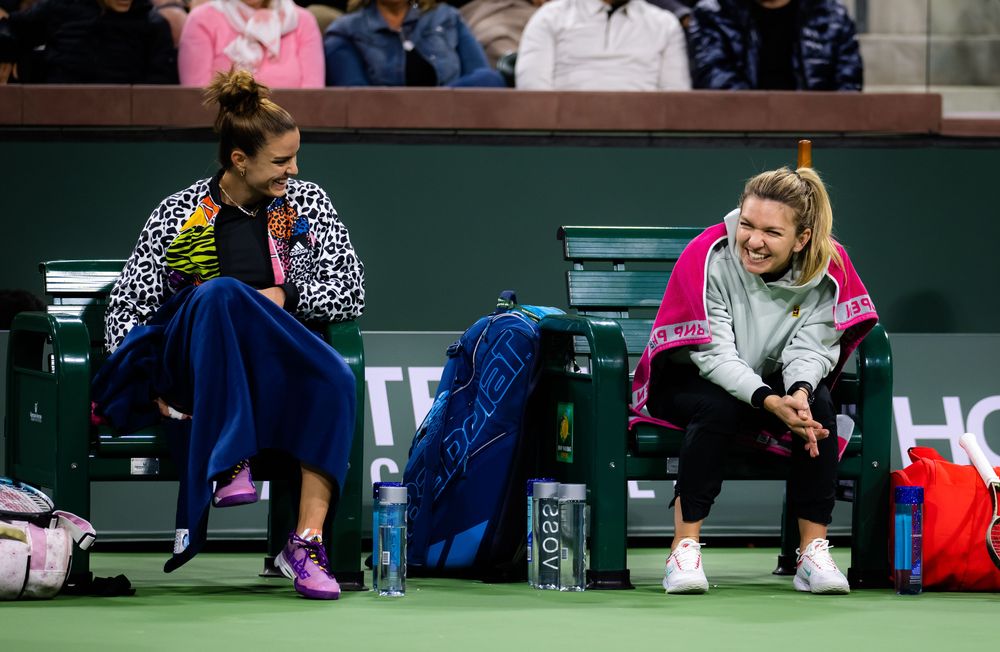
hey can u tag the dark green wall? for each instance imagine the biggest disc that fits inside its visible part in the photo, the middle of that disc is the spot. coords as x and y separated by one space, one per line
443 227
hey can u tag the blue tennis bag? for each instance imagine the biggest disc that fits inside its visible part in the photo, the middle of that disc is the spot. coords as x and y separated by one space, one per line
467 466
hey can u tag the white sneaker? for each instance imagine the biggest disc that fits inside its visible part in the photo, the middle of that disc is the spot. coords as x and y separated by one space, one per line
685 573
816 571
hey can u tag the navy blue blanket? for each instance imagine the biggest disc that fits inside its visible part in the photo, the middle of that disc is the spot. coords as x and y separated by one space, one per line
250 375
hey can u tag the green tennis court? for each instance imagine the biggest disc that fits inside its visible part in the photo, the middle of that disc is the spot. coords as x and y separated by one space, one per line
217 602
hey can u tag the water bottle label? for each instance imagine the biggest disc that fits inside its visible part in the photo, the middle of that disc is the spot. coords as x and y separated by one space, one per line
564 553
385 558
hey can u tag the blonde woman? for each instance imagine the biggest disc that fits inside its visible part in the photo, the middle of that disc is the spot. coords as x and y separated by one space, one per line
759 315
399 43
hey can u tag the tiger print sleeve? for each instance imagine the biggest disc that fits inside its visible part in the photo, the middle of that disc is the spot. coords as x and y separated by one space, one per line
332 286
142 287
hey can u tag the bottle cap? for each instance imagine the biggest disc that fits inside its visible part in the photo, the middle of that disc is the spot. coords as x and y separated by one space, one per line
392 495
546 489
378 485
573 492
530 489
909 495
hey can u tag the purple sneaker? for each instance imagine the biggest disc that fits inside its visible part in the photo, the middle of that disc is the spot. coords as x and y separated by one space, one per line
237 488
305 562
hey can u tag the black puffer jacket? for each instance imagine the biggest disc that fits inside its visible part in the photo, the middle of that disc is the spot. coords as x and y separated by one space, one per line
723 46
86 44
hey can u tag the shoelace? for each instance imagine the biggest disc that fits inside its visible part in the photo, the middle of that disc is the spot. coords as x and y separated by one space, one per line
687 555
244 463
317 553
819 551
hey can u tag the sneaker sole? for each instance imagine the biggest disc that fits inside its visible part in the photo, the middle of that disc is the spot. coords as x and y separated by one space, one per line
690 589
805 587
235 499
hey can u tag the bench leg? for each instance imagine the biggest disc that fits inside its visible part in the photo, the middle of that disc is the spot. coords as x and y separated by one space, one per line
870 531
789 540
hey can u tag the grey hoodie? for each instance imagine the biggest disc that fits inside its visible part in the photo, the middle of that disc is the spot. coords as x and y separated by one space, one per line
761 328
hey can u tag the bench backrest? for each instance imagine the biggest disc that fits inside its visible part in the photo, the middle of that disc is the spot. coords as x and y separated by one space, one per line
81 288
620 272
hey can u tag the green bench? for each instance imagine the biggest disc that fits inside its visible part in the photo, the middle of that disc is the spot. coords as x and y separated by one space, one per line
51 443
615 286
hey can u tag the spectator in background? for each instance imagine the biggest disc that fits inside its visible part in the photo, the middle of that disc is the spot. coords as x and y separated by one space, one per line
602 45
679 8
396 43
497 24
275 40
89 42
175 12
774 44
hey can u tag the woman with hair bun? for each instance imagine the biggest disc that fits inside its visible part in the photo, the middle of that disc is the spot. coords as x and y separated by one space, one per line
205 325
758 318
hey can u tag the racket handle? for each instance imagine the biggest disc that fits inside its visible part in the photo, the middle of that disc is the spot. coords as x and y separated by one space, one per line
971 446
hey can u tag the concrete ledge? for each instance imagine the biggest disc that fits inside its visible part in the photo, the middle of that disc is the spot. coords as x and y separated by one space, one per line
11 101
971 125
490 110
89 106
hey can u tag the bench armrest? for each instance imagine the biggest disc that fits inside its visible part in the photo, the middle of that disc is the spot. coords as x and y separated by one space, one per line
70 345
875 395
345 337
608 355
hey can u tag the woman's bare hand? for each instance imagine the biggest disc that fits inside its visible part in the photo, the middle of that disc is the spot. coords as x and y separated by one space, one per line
275 294
795 413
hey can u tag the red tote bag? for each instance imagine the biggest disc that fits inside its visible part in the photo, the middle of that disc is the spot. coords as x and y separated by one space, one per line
957 511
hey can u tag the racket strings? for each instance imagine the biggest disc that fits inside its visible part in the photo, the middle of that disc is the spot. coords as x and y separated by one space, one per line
21 501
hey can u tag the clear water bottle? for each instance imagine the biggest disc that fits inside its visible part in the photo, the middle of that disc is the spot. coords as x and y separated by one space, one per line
375 520
908 560
531 544
545 538
392 541
573 537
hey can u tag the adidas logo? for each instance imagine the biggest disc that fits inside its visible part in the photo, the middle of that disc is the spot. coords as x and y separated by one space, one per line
299 249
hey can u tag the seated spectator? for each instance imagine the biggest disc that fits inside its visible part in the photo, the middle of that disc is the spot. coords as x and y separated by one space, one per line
325 12
275 40
395 43
89 42
497 24
679 8
174 12
602 45
763 44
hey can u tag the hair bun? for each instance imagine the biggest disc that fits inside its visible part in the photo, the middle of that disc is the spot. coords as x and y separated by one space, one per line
236 92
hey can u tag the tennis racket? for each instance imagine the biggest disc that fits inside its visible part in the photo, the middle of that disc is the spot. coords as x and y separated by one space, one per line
22 502
989 476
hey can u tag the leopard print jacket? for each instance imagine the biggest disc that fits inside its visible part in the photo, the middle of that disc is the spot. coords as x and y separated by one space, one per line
330 280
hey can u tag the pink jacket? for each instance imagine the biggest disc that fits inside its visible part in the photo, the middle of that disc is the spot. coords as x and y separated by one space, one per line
207 33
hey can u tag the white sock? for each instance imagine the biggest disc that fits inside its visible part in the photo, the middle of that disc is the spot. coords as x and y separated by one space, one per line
310 534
